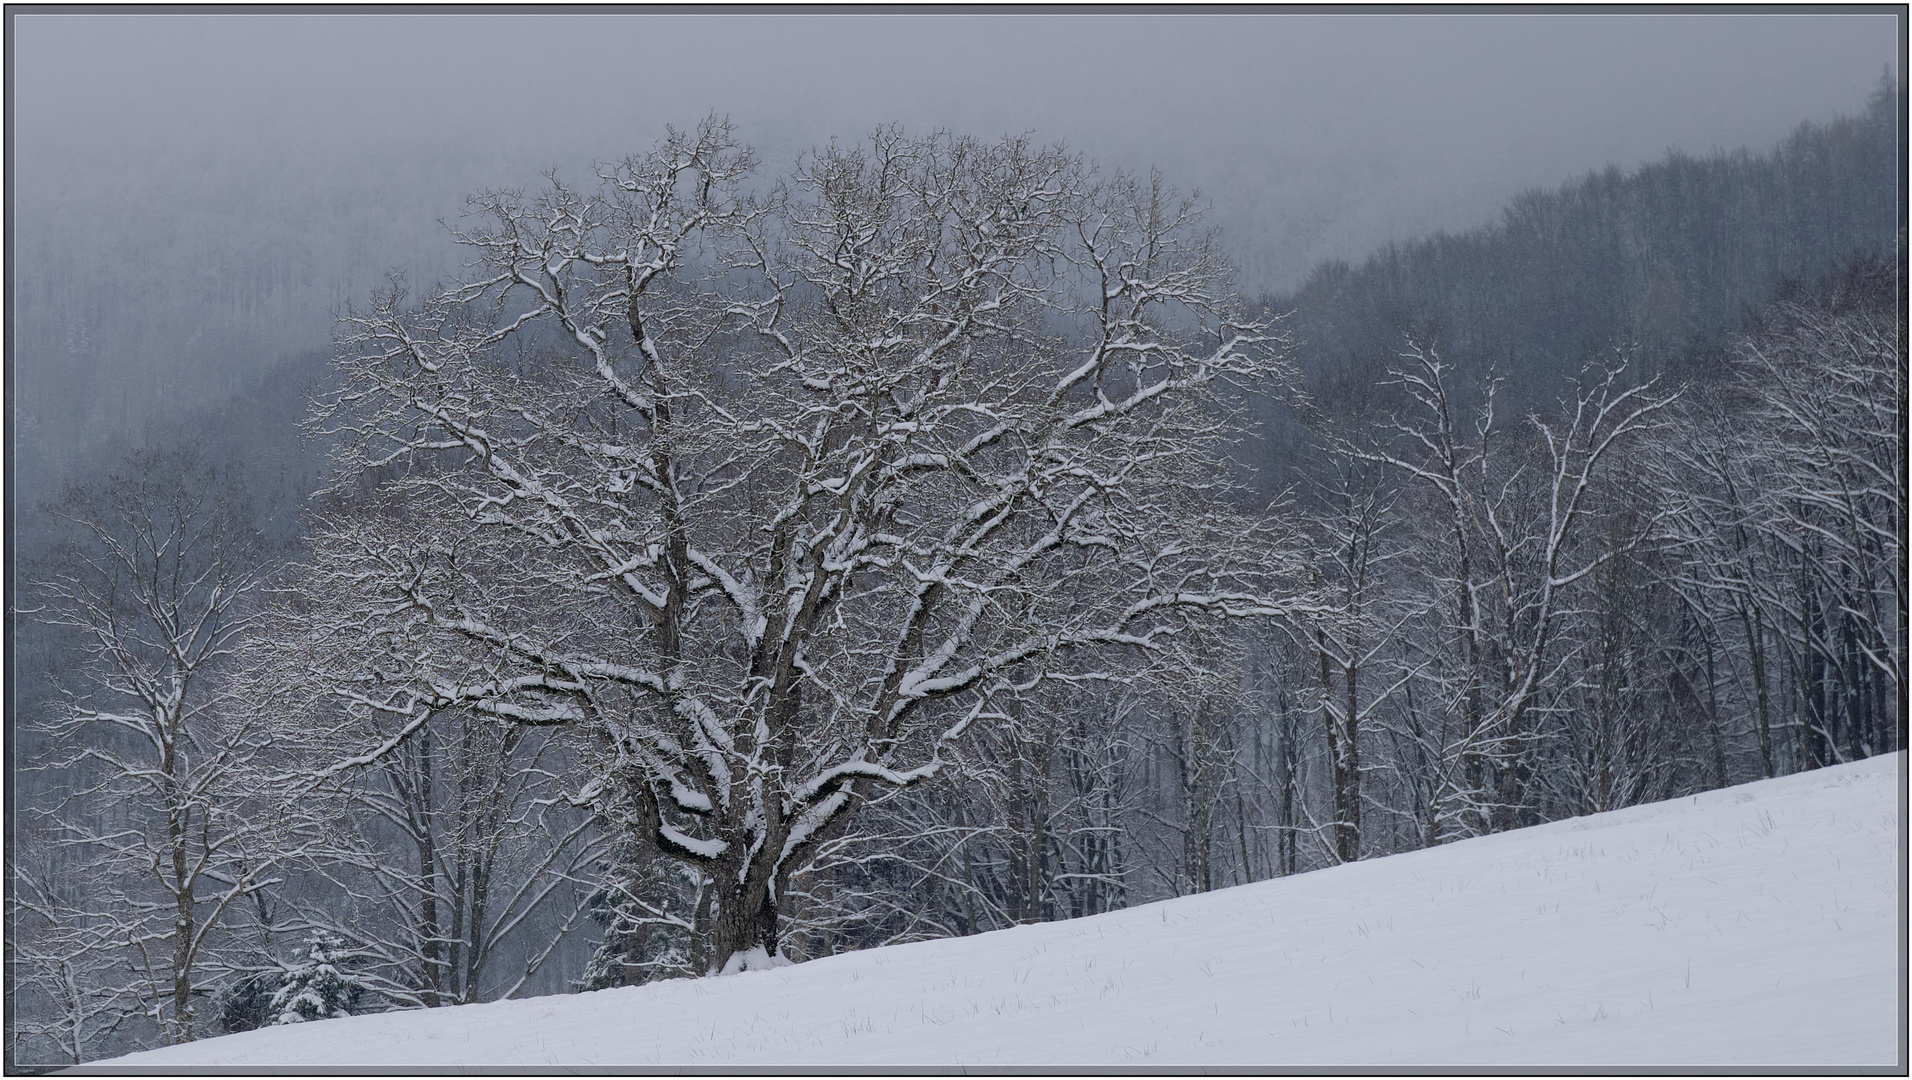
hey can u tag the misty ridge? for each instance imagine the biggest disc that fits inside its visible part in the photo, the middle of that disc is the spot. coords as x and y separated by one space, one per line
1672 256
730 556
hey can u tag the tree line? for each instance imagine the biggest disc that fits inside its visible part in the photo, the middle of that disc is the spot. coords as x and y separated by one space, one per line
723 573
1670 257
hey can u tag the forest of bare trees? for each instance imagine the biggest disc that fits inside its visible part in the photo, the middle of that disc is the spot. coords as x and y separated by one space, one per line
728 571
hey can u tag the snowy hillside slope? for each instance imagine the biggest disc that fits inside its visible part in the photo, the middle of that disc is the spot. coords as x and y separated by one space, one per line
1760 924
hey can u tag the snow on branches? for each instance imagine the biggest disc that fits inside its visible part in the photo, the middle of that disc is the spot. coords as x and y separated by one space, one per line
775 492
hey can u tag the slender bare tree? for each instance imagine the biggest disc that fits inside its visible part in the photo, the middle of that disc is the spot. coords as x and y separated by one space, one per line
1513 521
156 579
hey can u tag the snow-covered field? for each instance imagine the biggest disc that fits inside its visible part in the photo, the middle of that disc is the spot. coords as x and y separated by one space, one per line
1759 925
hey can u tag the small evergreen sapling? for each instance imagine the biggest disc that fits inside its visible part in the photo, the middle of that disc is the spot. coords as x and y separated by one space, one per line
316 989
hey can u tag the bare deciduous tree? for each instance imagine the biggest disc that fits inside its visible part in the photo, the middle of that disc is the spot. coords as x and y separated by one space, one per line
777 495
156 580
1512 522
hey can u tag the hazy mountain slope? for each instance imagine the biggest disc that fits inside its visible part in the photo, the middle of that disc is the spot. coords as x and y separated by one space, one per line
1664 259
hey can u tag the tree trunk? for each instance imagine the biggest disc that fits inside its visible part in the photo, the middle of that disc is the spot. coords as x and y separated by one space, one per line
433 975
745 920
1755 643
181 1028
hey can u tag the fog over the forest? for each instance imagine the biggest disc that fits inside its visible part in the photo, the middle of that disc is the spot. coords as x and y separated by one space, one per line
194 195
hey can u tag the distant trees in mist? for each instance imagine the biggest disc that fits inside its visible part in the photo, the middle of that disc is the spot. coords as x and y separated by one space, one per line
1667 258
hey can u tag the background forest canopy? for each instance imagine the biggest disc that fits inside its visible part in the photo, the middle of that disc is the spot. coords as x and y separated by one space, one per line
727 570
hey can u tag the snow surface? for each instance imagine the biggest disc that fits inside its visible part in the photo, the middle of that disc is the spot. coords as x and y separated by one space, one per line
1758 925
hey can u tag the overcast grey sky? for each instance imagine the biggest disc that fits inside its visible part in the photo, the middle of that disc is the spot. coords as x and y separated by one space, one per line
1313 134
195 194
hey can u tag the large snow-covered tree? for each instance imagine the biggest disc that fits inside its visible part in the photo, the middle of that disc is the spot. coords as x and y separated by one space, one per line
775 494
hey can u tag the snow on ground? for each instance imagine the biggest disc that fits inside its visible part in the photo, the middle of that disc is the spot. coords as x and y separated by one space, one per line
1758 925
